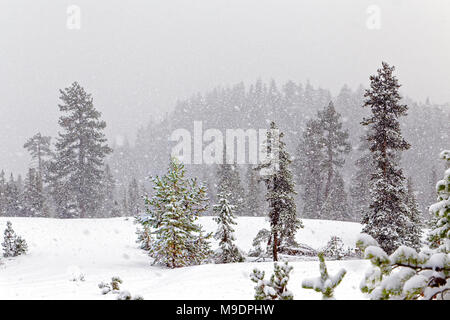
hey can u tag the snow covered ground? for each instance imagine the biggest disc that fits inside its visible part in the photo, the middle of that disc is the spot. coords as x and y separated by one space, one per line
102 248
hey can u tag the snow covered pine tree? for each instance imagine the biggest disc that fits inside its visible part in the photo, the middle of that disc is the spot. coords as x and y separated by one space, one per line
13 245
387 219
227 252
284 222
172 212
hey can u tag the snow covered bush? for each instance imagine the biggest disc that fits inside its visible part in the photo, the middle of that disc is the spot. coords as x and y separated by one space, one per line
276 287
114 287
13 245
405 274
335 249
176 240
439 236
324 284
228 252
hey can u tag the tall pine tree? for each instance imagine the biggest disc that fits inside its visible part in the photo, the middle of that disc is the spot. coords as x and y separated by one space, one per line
387 218
278 178
77 168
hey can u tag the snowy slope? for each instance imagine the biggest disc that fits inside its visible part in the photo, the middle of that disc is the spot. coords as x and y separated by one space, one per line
102 248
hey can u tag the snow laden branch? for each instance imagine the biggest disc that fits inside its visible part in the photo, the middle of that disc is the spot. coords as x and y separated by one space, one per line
324 284
405 274
276 287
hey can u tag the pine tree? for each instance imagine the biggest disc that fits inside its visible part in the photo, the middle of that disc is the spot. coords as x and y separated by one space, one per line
387 218
324 284
277 176
309 173
335 144
254 201
176 205
414 233
439 236
39 148
77 168
13 245
228 252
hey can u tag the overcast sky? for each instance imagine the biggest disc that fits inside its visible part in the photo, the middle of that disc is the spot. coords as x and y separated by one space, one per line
138 57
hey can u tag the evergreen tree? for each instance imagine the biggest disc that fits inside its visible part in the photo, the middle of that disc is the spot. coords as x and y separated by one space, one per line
335 144
39 148
228 252
309 173
414 233
254 201
172 212
277 176
13 245
387 217
77 168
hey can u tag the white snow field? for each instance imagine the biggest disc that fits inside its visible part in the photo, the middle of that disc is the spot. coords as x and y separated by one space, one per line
61 250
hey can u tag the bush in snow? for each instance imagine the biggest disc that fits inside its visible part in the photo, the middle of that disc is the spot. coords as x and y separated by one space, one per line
439 236
405 274
275 288
114 287
324 284
228 252
13 245
335 249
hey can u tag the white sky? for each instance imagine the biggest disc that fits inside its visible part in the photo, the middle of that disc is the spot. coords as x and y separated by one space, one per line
138 57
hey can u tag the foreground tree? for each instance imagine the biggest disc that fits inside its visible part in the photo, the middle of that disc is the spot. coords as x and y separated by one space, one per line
177 241
387 218
228 252
277 176
324 284
77 168
439 236
405 274
276 287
